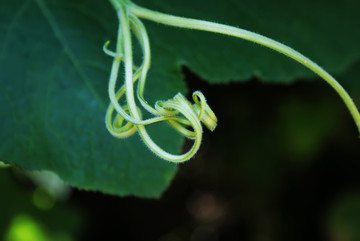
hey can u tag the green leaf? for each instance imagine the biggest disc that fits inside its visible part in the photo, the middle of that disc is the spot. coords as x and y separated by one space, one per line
326 31
53 95
53 77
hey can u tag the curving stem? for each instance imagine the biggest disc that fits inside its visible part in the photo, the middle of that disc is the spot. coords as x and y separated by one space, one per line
194 114
253 37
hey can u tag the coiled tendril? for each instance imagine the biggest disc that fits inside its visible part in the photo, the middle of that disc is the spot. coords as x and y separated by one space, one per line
128 118
124 121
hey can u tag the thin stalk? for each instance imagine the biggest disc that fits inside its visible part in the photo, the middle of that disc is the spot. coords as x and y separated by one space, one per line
180 104
253 37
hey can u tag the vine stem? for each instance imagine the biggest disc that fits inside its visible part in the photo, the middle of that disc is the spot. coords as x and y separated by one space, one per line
202 25
124 45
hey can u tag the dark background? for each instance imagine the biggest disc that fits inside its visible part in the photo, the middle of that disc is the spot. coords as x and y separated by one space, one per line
283 164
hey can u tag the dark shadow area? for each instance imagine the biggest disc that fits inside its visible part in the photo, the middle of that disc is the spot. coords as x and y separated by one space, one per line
281 165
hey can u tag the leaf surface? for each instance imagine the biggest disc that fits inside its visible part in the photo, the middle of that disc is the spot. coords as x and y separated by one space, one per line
53 77
53 98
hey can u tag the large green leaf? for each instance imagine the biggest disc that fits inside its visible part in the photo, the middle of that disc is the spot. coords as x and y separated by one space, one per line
53 96
53 77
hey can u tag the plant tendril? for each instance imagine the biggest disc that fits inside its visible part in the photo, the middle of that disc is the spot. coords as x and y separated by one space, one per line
184 117
123 121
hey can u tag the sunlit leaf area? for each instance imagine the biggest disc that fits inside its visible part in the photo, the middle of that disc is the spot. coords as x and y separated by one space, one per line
283 163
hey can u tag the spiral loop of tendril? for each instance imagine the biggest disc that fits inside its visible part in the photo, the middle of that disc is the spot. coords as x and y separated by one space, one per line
124 120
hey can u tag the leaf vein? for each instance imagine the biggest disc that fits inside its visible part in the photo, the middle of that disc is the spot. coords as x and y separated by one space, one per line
11 27
68 51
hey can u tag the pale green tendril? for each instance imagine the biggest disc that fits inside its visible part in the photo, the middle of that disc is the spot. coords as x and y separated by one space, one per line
184 117
124 121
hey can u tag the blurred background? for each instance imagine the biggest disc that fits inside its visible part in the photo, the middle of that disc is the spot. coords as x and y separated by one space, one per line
283 164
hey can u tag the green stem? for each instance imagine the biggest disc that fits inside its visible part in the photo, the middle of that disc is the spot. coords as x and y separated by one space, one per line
253 37
119 4
179 102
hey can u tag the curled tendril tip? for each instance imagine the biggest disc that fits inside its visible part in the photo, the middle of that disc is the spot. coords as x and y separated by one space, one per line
123 121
